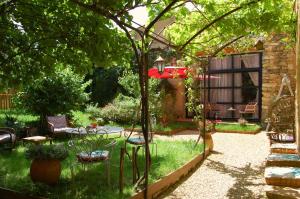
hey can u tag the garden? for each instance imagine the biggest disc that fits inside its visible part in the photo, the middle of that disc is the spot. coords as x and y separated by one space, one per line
74 71
92 182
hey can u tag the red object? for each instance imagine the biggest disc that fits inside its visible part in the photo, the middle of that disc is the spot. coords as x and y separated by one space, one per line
93 125
169 72
172 72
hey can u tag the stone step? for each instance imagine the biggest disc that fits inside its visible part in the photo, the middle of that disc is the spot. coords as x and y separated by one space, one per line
278 192
283 160
283 176
284 148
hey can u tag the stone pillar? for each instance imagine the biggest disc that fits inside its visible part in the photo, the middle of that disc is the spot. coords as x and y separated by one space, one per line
178 109
278 59
298 79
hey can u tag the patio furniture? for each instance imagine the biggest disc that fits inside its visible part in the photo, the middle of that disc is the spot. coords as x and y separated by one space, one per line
281 118
93 147
290 148
138 140
250 108
58 125
7 137
283 160
283 176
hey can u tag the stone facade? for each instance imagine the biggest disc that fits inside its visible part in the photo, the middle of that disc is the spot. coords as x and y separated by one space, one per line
277 60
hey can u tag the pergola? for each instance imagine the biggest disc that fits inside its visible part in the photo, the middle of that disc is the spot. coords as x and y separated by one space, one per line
141 51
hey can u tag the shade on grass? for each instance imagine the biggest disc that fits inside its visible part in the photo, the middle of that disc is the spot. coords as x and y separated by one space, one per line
92 182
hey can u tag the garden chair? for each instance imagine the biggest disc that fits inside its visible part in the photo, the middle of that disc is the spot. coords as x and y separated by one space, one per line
58 125
281 118
7 137
250 109
92 147
137 139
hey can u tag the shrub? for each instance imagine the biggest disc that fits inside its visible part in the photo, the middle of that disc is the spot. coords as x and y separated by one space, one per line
93 110
122 110
130 83
55 94
104 85
80 119
44 152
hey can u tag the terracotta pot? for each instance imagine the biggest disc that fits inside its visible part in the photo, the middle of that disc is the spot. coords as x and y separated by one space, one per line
209 141
45 171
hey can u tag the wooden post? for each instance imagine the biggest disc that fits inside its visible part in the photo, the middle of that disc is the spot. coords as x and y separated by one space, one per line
298 77
121 177
133 165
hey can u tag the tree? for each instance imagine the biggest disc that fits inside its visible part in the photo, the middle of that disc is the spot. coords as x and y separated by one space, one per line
58 93
38 34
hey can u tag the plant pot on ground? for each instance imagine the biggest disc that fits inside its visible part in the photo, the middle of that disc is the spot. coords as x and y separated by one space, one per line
46 162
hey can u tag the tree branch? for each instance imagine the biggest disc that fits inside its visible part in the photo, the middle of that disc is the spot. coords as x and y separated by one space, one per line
216 20
166 9
226 44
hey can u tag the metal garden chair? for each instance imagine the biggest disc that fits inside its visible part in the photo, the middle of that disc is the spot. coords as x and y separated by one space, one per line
92 147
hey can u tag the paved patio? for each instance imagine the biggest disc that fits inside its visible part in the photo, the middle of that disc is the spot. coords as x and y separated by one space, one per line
234 170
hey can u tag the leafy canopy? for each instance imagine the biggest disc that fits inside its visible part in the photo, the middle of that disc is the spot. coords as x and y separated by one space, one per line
38 34
251 21
56 94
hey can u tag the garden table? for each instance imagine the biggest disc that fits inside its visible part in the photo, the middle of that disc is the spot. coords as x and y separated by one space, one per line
37 139
98 129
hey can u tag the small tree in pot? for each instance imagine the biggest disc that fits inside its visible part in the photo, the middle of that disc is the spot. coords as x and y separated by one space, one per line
45 166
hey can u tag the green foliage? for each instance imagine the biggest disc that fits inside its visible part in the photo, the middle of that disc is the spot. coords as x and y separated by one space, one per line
37 34
104 84
56 94
130 83
194 101
122 110
174 126
237 127
44 152
80 119
255 20
93 110
171 156
20 116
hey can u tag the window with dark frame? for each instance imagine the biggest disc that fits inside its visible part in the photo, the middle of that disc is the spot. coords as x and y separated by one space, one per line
233 82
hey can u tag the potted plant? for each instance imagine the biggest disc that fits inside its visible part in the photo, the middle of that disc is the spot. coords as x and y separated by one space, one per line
45 166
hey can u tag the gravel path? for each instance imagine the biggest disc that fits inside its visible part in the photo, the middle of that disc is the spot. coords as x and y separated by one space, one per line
234 170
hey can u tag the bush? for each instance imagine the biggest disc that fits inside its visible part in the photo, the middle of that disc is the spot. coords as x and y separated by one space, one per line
80 119
55 94
44 152
123 110
104 85
93 110
130 83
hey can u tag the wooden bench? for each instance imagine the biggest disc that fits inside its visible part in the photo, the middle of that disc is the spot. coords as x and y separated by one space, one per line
287 160
283 176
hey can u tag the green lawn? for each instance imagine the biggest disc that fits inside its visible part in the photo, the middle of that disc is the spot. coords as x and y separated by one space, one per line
237 127
21 116
91 183
175 125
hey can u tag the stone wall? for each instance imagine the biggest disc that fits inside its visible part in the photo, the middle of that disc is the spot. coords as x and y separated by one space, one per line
277 60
